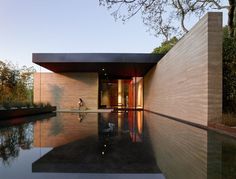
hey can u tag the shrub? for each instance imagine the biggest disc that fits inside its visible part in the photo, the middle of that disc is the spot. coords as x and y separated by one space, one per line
41 105
18 105
6 105
165 46
48 104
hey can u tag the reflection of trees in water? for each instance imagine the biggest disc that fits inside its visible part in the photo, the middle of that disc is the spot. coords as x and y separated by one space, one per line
14 138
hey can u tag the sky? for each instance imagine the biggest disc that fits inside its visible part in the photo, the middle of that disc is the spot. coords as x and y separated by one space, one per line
67 26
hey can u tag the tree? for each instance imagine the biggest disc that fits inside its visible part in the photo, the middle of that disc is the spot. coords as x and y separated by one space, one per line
229 73
16 83
162 15
165 46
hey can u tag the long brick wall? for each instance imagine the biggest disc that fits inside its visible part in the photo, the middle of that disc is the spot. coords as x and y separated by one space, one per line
187 82
64 90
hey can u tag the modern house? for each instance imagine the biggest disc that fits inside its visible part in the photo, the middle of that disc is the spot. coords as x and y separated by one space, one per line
185 84
101 80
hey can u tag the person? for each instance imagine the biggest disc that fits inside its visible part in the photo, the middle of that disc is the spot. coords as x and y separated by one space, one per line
80 103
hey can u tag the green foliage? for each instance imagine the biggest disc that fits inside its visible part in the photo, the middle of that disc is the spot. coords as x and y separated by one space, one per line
16 84
6 105
165 46
229 72
19 105
41 105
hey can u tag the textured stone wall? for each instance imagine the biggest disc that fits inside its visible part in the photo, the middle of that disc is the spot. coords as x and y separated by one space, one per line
64 90
187 82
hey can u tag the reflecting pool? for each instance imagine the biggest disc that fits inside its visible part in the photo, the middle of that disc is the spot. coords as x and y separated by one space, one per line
112 145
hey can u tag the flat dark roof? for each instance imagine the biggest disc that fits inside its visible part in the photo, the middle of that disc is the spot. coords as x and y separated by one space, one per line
116 64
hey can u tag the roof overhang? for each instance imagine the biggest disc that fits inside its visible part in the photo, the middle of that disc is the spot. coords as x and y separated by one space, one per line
114 64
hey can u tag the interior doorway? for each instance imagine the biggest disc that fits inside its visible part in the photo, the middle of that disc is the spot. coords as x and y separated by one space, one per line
121 93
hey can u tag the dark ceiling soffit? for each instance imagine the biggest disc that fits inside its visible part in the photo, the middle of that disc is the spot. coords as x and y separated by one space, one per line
114 64
95 58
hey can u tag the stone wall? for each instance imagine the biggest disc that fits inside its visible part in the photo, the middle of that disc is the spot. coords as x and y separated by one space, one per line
64 89
187 82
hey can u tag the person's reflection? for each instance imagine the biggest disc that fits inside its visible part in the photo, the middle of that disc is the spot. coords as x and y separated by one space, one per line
81 116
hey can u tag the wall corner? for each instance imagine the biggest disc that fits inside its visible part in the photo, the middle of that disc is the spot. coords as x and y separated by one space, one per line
215 65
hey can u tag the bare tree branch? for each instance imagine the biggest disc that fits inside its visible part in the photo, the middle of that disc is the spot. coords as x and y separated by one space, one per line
218 6
158 14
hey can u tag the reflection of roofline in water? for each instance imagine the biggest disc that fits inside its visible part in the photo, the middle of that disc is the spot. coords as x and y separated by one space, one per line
84 158
99 152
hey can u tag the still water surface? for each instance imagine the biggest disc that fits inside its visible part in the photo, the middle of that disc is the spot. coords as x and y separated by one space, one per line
112 145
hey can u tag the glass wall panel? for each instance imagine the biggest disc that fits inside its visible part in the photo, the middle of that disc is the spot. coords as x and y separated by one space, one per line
121 93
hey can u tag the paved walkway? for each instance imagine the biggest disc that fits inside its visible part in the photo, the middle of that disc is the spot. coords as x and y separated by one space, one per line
84 111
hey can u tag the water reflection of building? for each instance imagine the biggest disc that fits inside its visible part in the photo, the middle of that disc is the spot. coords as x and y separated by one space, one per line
63 129
180 149
184 151
113 149
136 125
125 122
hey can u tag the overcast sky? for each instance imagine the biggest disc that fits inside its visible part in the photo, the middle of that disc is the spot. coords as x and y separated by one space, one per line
33 26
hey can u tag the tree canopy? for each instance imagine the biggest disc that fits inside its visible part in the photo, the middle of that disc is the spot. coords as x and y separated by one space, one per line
229 73
165 46
16 83
161 15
